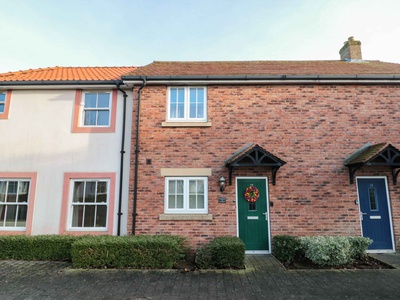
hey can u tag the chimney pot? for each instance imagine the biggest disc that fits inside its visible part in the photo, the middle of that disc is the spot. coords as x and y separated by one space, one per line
351 50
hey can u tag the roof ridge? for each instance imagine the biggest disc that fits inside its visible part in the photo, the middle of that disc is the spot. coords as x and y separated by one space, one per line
257 60
69 67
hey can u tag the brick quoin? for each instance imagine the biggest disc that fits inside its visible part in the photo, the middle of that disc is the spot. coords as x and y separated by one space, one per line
311 127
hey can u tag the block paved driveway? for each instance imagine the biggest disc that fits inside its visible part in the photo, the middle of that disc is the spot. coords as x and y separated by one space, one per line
264 278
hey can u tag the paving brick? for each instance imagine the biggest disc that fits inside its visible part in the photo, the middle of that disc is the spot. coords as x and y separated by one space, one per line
264 278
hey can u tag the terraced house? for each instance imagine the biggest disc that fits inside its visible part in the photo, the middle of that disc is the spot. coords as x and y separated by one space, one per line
261 148
61 167
243 148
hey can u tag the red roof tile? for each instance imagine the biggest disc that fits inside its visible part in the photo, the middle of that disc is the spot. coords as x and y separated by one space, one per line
226 68
68 74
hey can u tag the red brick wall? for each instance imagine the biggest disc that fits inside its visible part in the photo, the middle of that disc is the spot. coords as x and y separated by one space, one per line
313 128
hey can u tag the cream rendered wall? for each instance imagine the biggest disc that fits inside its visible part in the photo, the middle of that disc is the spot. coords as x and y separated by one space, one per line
37 137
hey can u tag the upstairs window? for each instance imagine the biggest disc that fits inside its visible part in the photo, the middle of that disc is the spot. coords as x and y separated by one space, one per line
96 109
5 98
187 104
2 103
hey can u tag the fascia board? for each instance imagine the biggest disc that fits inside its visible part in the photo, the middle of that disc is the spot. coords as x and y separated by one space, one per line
58 86
263 79
281 81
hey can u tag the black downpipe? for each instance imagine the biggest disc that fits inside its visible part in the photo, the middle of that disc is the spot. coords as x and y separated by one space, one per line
121 169
135 182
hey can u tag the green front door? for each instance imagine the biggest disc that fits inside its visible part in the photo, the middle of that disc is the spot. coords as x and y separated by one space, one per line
253 216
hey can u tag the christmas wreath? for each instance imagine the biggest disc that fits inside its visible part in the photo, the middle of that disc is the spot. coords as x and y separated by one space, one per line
251 194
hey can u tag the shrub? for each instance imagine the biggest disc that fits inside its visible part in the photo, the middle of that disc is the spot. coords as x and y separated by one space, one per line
228 252
203 257
359 246
286 248
222 252
160 251
40 247
321 250
327 250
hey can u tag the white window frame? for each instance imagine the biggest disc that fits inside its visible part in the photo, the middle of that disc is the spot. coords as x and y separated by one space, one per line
71 204
18 204
186 117
185 209
83 109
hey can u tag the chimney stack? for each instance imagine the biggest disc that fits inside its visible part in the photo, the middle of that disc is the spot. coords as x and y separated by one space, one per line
351 51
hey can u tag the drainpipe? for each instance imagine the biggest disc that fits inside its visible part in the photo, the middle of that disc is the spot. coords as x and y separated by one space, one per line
135 179
121 172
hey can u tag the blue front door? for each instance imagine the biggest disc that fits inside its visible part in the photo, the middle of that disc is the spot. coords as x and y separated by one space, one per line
374 210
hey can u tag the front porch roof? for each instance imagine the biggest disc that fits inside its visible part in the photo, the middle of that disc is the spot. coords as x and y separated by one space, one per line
253 155
382 154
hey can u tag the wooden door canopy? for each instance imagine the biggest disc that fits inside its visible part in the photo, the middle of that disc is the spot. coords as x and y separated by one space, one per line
253 155
383 154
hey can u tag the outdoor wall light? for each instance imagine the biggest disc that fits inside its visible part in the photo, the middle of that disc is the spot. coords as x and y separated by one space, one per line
222 184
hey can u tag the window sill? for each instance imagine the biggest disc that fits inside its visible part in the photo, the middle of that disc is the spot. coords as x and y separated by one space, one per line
86 232
93 129
185 217
186 124
12 231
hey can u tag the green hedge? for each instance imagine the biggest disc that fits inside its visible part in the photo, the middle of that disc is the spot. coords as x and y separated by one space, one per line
222 252
160 251
40 247
286 248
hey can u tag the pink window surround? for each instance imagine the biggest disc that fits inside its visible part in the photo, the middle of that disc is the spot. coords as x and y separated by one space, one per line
78 128
31 201
4 115
65 206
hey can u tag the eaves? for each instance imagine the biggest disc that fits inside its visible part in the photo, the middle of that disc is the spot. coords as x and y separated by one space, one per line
262 79
59 84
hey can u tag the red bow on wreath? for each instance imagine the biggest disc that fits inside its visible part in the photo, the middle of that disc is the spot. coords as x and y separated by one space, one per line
251 194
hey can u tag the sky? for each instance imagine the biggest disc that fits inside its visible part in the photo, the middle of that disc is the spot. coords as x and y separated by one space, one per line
48 33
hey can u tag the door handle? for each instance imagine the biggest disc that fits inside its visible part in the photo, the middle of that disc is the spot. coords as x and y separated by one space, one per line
362 215
266 215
